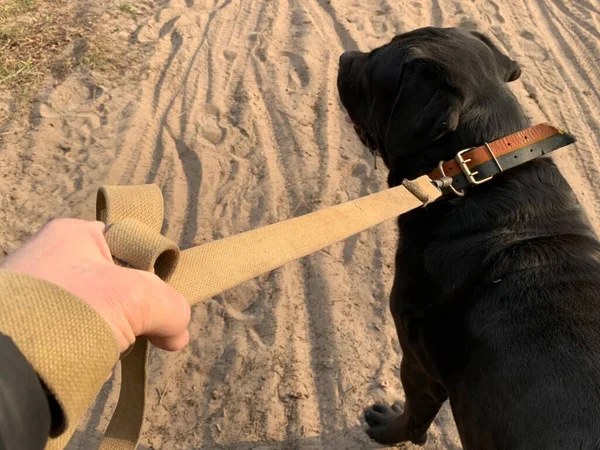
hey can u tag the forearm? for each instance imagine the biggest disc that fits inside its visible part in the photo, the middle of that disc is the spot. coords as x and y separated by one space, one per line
69 346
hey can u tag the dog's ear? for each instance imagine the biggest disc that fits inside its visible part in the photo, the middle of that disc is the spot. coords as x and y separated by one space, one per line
509 70
426 107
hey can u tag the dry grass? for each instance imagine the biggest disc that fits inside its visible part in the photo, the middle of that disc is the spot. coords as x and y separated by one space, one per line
128 8
31 33
39 38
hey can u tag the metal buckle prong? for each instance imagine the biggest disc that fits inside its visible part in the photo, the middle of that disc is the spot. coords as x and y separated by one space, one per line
469 174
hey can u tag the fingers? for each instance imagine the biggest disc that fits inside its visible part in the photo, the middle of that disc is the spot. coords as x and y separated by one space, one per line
97 229
57 247
73 237
74 255
67 226
165 314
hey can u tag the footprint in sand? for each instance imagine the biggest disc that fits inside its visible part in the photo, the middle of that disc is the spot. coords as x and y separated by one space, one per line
209 124
300 68
229 55
378 22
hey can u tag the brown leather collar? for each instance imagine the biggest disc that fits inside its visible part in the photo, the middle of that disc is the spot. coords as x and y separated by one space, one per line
479 164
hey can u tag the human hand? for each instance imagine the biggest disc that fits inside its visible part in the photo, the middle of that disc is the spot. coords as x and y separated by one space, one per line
73 254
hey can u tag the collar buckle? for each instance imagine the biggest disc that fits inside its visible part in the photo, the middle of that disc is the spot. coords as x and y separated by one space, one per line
468 173
524 146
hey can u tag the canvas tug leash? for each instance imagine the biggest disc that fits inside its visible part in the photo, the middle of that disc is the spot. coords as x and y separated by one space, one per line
134 215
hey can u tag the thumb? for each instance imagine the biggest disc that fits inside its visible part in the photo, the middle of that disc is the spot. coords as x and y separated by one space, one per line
165 315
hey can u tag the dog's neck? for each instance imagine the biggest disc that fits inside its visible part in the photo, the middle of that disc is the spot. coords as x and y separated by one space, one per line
499 116
485 123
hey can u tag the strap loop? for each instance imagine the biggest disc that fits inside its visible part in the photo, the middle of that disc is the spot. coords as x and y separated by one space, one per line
133 216
123 432
135 244
143 202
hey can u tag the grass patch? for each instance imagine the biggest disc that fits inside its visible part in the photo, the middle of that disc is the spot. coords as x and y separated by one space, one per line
41 38
128 8
31 32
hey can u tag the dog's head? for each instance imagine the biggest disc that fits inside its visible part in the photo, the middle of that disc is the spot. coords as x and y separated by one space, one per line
423 85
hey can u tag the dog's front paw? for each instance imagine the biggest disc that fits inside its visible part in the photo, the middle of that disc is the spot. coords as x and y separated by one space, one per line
386 425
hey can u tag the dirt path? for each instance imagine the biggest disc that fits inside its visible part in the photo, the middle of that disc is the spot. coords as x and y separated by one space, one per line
238 120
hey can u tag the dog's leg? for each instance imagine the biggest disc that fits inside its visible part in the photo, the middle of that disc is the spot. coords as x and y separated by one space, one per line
424 397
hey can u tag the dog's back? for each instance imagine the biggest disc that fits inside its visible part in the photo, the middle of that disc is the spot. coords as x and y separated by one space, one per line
518 272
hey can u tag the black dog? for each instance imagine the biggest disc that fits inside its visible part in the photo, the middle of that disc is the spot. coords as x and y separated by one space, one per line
496 298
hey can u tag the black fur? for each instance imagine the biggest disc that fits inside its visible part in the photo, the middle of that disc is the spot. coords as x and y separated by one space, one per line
496 295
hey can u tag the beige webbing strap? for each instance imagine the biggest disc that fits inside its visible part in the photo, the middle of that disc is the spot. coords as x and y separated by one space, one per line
134 216
124 429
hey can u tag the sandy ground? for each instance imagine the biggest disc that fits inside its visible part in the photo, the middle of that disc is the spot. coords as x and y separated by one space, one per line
237 118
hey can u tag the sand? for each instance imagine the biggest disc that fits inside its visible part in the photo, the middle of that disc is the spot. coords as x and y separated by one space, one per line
237 118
